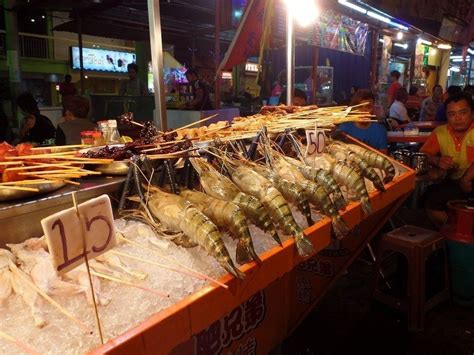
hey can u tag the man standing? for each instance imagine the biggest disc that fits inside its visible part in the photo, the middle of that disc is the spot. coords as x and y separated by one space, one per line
133 86
201 100
67 88
393 88
450 149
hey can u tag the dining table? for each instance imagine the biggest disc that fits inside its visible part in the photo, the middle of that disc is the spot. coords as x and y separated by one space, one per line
403 137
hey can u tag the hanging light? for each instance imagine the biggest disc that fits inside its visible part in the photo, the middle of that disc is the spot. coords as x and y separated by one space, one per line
400 35
304 12
378 16
444 46
423 41
352 6
401 45
32 20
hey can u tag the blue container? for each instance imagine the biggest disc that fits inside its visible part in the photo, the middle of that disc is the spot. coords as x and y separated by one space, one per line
461 269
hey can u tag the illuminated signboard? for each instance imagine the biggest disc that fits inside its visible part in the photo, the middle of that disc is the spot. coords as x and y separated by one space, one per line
102 59
251 67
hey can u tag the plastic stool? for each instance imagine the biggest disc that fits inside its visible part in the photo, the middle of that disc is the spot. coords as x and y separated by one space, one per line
426 278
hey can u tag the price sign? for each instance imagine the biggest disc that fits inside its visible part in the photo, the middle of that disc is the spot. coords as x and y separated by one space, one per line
316 141
65 231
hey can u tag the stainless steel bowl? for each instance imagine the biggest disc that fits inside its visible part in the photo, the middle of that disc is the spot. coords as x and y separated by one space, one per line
114 168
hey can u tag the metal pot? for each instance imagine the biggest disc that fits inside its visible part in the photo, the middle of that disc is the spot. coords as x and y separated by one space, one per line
420 163
403 156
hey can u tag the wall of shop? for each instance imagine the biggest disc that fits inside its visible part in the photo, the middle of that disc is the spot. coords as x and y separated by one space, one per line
349 69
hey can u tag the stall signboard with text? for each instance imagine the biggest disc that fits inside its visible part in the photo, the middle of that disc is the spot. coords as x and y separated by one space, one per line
66 231
102 59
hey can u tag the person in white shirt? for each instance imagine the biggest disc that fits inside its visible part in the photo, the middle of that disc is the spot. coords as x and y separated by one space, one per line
398 109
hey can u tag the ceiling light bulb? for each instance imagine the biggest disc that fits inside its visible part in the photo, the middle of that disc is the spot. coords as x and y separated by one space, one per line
444 46
304 12
399 35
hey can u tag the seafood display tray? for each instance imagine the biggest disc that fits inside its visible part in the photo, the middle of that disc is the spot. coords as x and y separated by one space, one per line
16 216
174 329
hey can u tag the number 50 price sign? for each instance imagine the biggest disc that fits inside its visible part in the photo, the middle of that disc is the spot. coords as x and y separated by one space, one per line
67 230
315 142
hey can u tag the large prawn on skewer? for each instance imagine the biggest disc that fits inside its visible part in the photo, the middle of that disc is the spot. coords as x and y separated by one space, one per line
229 216
256 185
220 187
175 213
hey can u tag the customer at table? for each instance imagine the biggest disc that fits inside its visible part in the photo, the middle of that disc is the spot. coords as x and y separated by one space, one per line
371 133
414 101
201 99
393 88
450 148
35 128
75 112
430 105
441 113
134 86
398 110
299 97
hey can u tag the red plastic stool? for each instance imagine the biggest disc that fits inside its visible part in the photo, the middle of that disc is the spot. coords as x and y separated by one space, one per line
420 248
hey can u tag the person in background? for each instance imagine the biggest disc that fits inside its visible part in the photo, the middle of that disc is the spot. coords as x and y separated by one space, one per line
414 101
469 90
134 86
354 89
299 98
393 88
6 134
430 105
398 109
279 85
35 128
450 148
441 113
201 99
75 112
371 133
67 88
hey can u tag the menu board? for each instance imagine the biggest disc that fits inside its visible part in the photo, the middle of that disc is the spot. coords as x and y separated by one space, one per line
102 59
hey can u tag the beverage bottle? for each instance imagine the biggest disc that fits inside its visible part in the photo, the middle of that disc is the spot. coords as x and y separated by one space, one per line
113 134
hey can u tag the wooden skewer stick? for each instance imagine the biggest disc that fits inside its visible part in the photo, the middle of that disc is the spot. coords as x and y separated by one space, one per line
64 311
196 273
52 172
59 147
42 156
128 283
192 124
25 182
18 343
18 188
11 162
62 165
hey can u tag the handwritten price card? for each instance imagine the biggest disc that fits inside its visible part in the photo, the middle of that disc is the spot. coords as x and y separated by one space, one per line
316 142
64 233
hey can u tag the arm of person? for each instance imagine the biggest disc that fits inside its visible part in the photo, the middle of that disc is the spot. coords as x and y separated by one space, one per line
199 94
60 137
466 180
143 89
432 150
404 114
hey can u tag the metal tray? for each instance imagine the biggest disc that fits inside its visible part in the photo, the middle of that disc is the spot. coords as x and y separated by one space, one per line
116 168
10 194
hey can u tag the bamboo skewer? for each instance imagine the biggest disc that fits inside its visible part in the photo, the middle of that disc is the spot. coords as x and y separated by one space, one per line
26 182
18 188
192 124
128 283
38 166
196 273
59 147
18 343
64 311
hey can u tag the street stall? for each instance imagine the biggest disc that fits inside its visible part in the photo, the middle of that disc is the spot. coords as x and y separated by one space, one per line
178 299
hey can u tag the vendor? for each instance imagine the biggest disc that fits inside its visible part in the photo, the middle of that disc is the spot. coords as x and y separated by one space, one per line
134 86
371 133
299 97
450 148
76 110
201 100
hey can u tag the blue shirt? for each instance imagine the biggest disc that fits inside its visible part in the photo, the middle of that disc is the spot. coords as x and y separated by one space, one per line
375 135
441 114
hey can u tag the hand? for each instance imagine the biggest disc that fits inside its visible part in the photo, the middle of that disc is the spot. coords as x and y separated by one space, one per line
446 163
466 184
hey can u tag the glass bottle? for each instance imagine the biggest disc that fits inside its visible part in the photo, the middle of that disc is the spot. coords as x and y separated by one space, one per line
114 135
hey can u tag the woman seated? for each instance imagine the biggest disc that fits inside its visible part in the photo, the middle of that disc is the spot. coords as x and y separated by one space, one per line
75 112
371 133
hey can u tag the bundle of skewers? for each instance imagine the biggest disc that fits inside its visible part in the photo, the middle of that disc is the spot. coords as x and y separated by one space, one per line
24 167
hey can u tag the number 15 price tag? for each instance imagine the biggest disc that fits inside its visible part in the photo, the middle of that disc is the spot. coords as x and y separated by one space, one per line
64 233
316 142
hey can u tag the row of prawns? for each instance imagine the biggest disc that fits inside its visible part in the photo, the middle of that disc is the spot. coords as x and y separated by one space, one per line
262 194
